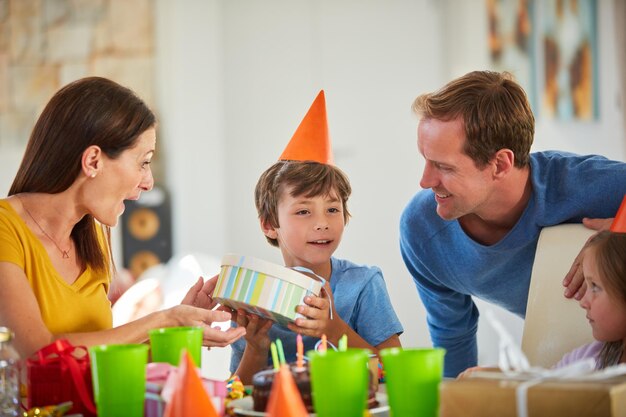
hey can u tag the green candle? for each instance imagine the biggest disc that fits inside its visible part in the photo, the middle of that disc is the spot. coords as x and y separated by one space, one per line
281 352
343 343
274 356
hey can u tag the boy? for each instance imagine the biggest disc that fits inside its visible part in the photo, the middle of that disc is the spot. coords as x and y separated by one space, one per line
302 205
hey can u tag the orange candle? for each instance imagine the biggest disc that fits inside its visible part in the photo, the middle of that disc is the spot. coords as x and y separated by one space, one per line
300 353
324 346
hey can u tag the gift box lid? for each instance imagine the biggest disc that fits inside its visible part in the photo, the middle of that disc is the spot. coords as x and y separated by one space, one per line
263 288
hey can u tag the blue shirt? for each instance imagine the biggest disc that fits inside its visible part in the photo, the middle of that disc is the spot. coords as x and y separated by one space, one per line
448 267
361 300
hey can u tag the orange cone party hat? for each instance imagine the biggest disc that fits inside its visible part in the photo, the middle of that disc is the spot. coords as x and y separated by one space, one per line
285 399
311 141
190 398
619 222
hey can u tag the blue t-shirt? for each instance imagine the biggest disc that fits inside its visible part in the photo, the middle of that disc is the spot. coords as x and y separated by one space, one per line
448 267
361 300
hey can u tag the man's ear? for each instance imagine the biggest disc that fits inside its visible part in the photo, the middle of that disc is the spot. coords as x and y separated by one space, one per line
268 229
504 162
91 161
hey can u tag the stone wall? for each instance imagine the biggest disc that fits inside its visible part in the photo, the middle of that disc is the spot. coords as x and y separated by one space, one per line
45 44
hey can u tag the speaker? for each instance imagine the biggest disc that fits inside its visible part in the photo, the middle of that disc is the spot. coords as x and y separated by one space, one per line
147 231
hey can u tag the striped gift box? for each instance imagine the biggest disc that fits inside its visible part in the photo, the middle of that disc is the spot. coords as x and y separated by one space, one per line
263 288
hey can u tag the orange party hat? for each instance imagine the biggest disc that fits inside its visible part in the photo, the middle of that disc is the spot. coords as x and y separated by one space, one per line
190 398
285 399
619 222
311 141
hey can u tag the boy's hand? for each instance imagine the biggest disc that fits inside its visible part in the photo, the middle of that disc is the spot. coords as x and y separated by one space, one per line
257 330
317 313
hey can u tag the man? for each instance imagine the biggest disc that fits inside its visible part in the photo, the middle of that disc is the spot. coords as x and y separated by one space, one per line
473 230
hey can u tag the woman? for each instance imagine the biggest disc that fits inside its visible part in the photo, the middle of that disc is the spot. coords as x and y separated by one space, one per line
89 151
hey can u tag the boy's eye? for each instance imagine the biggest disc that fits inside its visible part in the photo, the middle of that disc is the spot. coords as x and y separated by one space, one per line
334 210
302 212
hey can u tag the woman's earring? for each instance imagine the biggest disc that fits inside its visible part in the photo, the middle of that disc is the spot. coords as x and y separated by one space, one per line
93 175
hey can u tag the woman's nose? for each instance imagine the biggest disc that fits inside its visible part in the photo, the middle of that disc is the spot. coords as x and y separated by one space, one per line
147 182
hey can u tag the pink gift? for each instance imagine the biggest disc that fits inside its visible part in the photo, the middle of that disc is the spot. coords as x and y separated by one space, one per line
160 380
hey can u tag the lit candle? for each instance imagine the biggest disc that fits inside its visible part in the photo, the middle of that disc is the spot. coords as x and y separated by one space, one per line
274 356
324 346
300 348
281 352
343 343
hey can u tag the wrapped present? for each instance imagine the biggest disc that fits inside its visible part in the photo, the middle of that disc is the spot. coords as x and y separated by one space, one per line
58 373
161 383
263 288
497 394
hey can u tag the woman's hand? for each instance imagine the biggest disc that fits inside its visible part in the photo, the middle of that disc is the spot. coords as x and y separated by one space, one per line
186 315
201 294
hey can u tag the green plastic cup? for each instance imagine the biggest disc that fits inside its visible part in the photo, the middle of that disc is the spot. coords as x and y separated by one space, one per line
119 379
412 377
339 382
168 343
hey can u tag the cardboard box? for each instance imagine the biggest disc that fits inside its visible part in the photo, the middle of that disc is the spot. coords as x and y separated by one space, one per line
498 397
263 288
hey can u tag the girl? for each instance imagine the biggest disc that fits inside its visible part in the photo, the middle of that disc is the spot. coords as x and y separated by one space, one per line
604 270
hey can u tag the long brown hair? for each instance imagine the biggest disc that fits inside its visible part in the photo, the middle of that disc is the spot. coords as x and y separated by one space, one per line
86 112
609 249
495 111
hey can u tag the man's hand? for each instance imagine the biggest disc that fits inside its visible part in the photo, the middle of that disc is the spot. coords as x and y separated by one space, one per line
574 281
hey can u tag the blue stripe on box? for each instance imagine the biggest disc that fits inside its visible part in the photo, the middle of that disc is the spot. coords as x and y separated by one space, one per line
247 286
251 287
231 281
276 294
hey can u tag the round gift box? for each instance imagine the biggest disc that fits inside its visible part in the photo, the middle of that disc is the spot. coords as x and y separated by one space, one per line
263 288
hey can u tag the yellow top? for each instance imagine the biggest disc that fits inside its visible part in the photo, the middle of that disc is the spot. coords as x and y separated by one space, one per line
80 307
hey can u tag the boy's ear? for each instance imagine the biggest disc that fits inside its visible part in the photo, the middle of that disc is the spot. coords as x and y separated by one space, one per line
268 229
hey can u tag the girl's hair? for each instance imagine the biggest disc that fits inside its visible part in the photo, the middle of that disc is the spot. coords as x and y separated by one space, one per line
308 178
86 112
609 249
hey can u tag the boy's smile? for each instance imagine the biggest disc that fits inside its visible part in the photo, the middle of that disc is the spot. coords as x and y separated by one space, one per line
310 230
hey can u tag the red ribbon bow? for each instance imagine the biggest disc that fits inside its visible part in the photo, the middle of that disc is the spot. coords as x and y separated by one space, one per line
63 351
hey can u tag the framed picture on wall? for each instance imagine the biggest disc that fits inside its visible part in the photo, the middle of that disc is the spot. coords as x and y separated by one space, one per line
511 27
569 75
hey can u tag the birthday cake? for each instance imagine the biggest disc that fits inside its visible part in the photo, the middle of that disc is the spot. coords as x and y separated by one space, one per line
262 386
